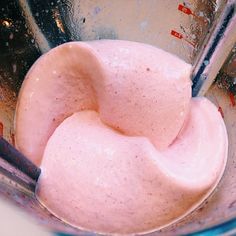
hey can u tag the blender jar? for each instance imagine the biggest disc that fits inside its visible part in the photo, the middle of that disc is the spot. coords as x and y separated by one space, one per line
29 28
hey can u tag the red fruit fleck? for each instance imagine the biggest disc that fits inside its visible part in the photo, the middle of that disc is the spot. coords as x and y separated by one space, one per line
221 111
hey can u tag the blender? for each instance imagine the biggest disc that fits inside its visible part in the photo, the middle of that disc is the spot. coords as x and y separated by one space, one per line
202 33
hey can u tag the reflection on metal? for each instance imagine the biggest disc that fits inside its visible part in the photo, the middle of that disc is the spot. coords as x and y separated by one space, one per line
6 22
230 66
226 78
37 34
57 18
217 50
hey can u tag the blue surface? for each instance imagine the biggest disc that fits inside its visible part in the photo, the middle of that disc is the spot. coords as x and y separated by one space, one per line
214 231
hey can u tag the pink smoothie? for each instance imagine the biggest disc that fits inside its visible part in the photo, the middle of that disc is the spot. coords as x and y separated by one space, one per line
122 146
131 85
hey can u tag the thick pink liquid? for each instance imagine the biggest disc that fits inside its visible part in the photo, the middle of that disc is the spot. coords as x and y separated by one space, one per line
122 146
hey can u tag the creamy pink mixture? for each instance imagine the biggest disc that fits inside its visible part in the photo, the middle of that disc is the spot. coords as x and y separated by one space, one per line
122 146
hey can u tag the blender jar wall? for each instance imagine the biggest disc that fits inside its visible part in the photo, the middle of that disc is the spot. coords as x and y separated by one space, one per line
30 28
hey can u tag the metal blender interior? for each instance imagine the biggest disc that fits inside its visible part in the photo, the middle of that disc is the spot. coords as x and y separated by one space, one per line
29 28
